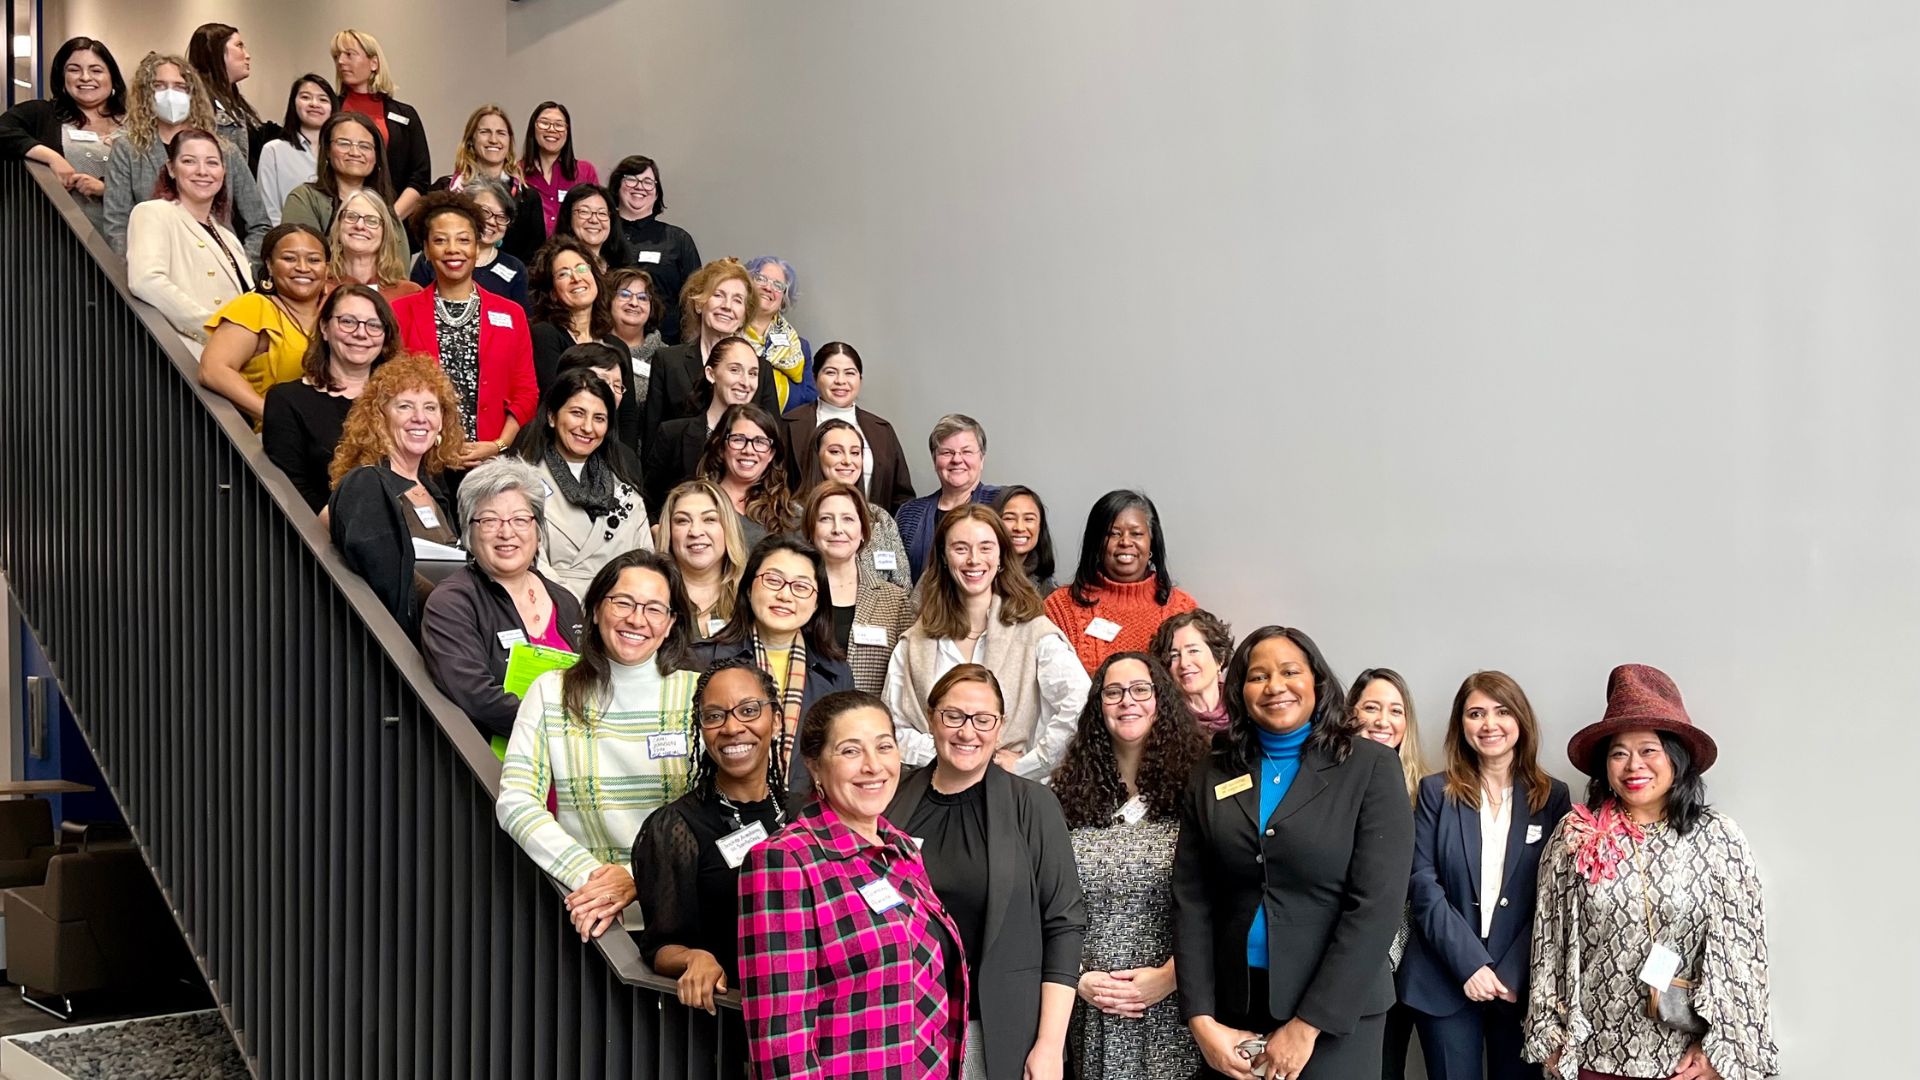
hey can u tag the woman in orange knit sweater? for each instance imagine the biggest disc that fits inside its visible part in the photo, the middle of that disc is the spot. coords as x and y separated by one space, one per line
1122 590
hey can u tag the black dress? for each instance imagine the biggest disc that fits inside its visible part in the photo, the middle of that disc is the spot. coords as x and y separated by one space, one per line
299 428
690 894
952 831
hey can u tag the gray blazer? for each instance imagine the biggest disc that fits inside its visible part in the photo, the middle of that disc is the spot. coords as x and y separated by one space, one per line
1036 918
130 177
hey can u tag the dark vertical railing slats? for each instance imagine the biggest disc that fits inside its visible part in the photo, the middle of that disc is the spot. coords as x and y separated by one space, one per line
318 817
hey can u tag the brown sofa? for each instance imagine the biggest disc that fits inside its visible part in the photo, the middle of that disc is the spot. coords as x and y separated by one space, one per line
98 923
26 841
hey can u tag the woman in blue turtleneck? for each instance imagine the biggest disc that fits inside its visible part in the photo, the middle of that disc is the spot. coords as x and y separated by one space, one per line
1295 847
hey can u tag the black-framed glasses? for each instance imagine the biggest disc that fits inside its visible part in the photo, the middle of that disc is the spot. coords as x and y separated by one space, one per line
748 711
598 217
550 126
956 719
494 217
640 183
738 441
774 580
1138 691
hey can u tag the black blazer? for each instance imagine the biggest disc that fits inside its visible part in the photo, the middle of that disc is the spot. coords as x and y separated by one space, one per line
1036 917
824 677
27 125
1445 947
409 161
367 518
892 482
672 458
460 629
678 387
1330 868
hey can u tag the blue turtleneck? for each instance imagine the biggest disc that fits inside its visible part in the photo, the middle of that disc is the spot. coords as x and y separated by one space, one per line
1279 764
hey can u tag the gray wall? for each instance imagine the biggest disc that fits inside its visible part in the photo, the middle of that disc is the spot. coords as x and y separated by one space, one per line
1536 337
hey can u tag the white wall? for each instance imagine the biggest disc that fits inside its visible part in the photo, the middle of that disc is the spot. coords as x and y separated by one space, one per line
1534 336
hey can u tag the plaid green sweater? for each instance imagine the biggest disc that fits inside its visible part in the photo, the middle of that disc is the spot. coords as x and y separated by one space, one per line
606 777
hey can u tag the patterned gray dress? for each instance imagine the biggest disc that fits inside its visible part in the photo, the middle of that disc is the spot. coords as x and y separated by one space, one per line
1126 874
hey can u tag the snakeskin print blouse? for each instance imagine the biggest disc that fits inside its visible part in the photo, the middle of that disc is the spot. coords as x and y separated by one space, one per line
1589 941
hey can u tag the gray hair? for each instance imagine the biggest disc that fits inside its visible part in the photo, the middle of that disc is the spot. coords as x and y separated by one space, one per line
953 424
758 263
497 477
487 185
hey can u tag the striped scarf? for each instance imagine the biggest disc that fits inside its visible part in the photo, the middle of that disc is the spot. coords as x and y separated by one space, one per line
792 694
781 350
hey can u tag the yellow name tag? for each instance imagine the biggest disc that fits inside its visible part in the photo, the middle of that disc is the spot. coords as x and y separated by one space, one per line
1233 787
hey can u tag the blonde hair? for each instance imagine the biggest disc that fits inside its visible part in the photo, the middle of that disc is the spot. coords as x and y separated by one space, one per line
466 164
382 80
389 262
142 126
733 547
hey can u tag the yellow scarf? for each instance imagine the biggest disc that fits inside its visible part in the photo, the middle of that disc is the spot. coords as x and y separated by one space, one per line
781 348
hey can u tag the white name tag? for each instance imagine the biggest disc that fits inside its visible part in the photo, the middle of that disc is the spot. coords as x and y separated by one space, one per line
714 626
918 842
427 517
1104 629
881 896
647 257
510 638
500 318
1533 834
396 118
546 488
885 560
83 135
1661 966
642 368
503 271
1132 811
780 340
869 635
667 744
735 845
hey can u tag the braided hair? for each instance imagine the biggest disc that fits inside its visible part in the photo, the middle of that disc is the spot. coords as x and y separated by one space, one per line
705 772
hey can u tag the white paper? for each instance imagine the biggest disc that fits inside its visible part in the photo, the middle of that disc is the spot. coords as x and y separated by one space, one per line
735 845
667 744
885 560
500 318
1661 966
1104 629
427 549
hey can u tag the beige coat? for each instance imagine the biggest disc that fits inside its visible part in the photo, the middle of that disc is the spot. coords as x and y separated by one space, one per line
175 265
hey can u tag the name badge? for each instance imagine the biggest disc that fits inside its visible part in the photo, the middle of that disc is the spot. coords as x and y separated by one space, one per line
714 626
1533 834
886 560
83 135
642 368
510 638
546 488
1233 787
1104 629
503 271
667 744
647 257
735 845
427 517
396 118
1661 966
1132 811
781 340
881 896
919 842
500 318
869 635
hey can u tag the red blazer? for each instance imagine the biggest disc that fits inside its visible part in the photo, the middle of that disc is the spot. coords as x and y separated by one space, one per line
506 357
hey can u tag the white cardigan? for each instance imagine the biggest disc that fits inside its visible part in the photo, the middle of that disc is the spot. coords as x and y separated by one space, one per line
172 263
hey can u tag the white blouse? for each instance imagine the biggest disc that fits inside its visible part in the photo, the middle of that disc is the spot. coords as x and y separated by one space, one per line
1494 827
1063 683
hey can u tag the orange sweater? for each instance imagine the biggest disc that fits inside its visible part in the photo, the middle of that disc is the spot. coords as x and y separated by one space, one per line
1131 606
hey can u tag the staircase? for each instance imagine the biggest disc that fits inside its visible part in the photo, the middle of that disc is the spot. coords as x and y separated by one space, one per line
318 815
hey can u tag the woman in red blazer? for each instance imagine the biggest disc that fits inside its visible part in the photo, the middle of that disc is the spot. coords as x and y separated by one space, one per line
480 339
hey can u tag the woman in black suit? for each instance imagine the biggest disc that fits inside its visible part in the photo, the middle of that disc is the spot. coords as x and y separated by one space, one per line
997 851
1478 835
1290 874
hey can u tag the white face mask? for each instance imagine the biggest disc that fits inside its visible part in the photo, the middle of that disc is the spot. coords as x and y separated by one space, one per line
171 106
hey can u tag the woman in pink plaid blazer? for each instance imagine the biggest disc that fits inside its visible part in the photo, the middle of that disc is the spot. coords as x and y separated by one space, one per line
849 966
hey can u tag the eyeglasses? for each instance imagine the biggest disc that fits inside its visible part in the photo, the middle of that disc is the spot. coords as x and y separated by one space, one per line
599 216
771 283
741 442
981 721
775 581
351 218
350 145
652 611
567 273
490 523
748 711
551 125
1138 691
956 455
639 183
495 218
634 294
348 324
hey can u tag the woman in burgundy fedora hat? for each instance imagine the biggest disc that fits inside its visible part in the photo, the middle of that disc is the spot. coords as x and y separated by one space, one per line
1649 939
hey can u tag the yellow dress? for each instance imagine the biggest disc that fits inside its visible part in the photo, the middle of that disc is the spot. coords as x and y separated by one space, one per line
286 341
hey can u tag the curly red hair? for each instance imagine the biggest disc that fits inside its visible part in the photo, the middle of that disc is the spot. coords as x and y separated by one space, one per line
364 439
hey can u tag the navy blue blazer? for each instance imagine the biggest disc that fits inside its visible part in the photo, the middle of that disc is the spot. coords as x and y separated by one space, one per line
1445 948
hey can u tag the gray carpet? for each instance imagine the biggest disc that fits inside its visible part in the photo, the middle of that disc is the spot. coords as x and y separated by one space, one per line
192 1047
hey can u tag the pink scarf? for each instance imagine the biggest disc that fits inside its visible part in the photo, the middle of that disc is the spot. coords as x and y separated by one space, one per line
1599 840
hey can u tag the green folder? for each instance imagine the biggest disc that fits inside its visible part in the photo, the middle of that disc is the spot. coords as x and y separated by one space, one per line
526 663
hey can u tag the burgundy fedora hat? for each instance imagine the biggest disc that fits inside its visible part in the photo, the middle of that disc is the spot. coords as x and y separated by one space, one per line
1642 698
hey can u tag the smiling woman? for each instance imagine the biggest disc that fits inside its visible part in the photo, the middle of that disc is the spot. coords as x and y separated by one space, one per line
1122 589
181 258
259 339
594 512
